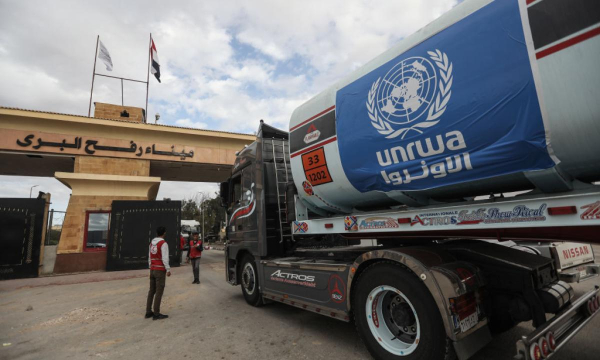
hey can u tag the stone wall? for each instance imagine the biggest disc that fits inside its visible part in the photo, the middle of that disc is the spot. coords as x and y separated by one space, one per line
111 166
49 260
73 230
110 111
81 262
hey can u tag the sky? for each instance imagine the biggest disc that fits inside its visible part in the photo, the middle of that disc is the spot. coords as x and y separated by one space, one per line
224 64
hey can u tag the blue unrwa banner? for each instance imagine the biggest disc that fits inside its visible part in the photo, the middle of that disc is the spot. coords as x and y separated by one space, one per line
458 107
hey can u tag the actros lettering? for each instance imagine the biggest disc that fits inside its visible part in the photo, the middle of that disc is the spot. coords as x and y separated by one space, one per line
290 276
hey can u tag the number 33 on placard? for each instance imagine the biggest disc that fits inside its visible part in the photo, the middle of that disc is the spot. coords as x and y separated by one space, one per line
315 167
313 160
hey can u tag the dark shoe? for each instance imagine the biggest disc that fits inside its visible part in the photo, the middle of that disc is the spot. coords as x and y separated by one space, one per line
159 316
149 315
195 282
198 282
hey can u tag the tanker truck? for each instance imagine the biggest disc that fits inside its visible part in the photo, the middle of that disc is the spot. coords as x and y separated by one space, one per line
440 194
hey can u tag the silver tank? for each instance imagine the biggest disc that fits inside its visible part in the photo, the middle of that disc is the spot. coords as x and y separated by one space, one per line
567 81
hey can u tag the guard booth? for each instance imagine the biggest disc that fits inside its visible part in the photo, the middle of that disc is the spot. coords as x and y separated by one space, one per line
133 225
21 237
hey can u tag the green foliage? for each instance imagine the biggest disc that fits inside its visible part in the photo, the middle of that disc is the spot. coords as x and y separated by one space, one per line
214 215
53 237
189 210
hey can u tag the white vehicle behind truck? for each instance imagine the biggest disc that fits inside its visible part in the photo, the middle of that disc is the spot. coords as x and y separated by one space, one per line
494 97
188 227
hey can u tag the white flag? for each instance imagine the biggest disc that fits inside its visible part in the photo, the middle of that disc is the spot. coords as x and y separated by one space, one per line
105 57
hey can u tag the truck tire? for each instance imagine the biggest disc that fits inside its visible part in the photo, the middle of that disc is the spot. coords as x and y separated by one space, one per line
396 316
249 281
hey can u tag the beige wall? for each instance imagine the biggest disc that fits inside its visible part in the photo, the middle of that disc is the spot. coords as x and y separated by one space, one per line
73 230
144 149
102 165
110 111
177 154
210 147
95 183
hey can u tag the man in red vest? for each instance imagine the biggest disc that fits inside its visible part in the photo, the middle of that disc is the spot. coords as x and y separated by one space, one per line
158 260
195 253
181 247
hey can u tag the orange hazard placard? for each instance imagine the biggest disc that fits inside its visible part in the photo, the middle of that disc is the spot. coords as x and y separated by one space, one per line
315 167
318 176
313 159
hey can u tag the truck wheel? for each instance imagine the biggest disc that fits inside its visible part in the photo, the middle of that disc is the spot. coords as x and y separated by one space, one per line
249 281
396 316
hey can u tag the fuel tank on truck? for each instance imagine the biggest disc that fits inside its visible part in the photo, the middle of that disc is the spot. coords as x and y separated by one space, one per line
493 96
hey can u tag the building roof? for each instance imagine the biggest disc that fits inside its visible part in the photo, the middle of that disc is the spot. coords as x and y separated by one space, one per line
125 121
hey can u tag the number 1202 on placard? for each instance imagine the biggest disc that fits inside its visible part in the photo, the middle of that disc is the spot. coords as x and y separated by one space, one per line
315 167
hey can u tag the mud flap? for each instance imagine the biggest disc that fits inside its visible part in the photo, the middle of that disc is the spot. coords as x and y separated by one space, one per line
317 287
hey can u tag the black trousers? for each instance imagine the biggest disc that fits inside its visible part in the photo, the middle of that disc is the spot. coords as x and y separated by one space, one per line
196 268
157 286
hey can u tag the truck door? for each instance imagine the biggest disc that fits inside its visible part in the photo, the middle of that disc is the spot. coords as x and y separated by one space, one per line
243 223
249 202
235 197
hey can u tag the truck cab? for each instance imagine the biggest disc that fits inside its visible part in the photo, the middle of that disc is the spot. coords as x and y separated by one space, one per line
254 197
279 250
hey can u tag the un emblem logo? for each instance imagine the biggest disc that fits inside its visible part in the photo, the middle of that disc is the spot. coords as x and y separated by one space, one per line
412 95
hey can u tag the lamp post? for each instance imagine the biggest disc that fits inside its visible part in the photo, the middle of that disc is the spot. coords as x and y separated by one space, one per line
202 210
30 190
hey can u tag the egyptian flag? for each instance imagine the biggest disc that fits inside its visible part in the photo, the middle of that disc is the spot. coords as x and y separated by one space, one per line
155 64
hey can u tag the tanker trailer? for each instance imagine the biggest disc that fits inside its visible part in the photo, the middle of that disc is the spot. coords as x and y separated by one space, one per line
492 97
486 99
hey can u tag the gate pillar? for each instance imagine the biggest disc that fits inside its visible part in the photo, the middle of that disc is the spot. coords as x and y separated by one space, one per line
94 184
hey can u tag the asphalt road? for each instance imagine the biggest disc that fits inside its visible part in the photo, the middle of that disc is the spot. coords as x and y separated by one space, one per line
97 316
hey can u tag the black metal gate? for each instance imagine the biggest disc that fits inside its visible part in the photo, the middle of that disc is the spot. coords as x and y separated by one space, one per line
21 227
133 225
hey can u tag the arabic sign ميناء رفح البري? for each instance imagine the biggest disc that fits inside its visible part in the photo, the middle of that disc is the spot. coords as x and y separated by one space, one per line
92 146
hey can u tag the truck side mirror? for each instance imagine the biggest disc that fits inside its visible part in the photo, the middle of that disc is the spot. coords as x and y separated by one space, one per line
224 196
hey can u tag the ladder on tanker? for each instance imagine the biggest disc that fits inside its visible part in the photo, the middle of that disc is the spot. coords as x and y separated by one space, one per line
282 176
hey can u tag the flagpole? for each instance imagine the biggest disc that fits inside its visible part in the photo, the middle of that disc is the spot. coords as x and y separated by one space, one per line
148 74
94 75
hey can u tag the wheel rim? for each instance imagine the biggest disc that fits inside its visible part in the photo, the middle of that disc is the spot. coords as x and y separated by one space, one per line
248 279
393 320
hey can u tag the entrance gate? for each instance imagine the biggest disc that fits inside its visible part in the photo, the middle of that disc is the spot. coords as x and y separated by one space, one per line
133 225
22 225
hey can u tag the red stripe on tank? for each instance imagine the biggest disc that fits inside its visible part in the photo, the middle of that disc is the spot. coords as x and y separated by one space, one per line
568 43
322 143
312 118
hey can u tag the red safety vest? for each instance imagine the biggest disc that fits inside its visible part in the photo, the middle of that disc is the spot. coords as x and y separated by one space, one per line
156 262
195 253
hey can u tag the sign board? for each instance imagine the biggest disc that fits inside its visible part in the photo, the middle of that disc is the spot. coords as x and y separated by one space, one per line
460 106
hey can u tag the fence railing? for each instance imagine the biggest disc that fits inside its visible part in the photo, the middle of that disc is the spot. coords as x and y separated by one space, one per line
55 222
